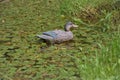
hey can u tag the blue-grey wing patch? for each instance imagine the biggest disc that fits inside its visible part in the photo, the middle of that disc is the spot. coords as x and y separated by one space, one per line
45 37
50 33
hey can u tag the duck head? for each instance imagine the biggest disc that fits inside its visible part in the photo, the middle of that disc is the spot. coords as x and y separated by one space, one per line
69 25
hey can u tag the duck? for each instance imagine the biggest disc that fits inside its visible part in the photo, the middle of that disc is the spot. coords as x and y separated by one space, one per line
58 36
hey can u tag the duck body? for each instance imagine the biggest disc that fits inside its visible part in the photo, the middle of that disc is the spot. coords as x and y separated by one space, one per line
56 36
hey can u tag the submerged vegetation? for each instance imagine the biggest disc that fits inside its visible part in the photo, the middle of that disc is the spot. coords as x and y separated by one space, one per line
93 54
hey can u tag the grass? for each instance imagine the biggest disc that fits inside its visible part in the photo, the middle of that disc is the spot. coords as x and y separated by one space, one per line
92 55
105 64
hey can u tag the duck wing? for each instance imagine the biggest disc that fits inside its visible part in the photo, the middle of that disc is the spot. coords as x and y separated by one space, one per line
46 37
50 33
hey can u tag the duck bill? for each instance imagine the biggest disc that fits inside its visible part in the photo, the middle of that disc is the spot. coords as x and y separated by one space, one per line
75 25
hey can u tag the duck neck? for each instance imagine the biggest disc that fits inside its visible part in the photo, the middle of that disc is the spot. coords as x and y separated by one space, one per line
67 28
